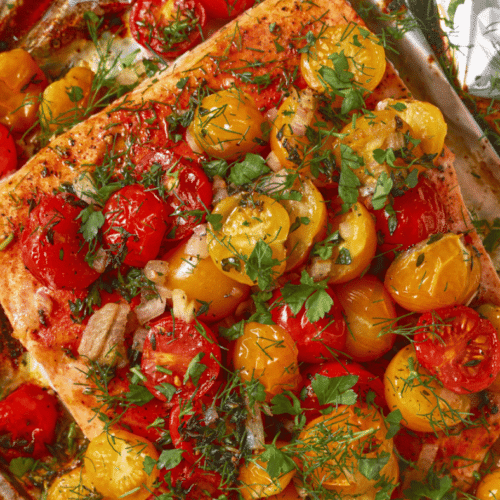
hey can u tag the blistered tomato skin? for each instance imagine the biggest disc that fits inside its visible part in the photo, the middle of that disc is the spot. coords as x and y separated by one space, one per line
267 353
53 249
423 403
21 83
115 464
415 215
316 341
247 220
179 359
459 347
228 124
203 282
134 224
438 272
365 55
28 418
370 316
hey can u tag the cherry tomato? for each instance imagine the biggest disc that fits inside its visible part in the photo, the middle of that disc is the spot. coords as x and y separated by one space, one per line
370 314
204 283
267 353
332 446
226 9
167 27
53 249
28 418
459 347
179 359
339 368
134 225
424 404
188 192
414 216
316 341
115 463
8 155
489 486
71 485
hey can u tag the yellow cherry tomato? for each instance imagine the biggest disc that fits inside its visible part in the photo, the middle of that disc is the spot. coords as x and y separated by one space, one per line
425 119
489 486
248 219
358 243
425 405
65 101
370 314
21 83
308 217
228 124
256 482
438 272
203 282
377 131
118 465
299 132
332 446
364 53
70 486
267 353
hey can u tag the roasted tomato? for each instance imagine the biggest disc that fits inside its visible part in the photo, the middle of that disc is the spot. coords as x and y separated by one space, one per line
224 9
28 418
316 341
134 224
8 155
188 192
53 249
267 353
437 272
179 359
424 404
412 217
459 347
367 382
115 464
167 27
370 316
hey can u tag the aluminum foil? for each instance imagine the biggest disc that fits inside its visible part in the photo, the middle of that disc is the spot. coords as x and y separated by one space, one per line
473 29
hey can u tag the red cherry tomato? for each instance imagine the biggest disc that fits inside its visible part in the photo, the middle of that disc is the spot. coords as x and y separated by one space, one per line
226 9
53 249
418 214
134 225
28 418
189 192
316 341
179 359
340 368
459 347
167 27
8 155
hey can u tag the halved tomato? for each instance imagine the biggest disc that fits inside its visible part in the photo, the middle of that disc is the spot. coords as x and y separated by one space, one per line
459 347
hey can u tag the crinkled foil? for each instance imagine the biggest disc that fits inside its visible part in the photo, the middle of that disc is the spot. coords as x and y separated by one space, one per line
473 29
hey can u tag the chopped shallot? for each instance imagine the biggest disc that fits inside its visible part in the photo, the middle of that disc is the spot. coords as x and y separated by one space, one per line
219 189
85 188
273 162
182 308
101 260
197 245
319 269
254 427
305 113
103 339
152 307
43 301
156 271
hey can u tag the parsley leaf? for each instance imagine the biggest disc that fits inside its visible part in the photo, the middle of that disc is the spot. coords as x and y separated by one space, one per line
335 390
252 167
138 394
382 191
371 467
170 458
92 221
278 463
286 402
195 369
260 263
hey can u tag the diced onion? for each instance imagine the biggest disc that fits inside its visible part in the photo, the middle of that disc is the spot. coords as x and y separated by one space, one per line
197 245
85 188
43 301
103 339
219 189
156 271
101 260
255 428
139 338
151 308
182 308
273 162
319 269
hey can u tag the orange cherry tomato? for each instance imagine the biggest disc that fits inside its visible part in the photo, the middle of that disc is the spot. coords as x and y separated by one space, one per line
438 272
216 294
267 353
370 315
